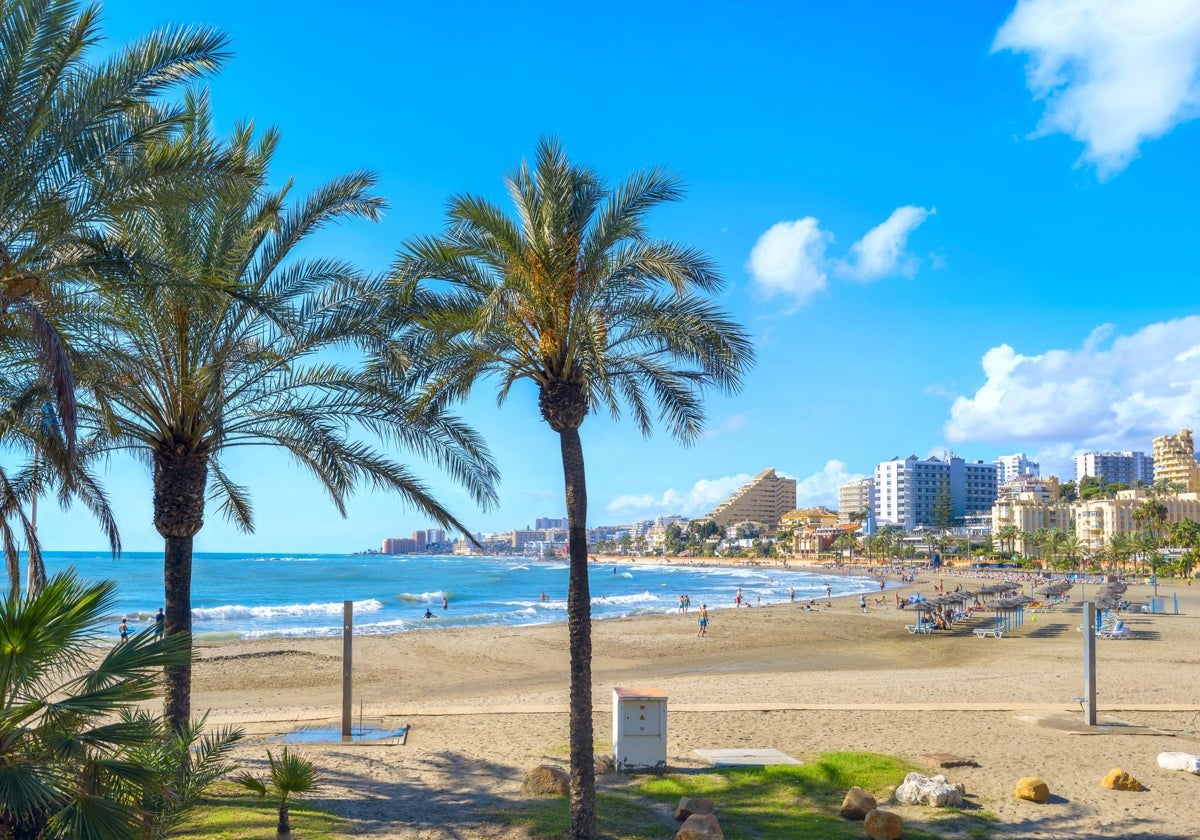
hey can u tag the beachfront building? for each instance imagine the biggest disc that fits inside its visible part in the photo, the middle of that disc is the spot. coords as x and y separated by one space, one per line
765 500
1128 467
855 497
1029 512
1046 489
813 517
1096 521
906 491
1175 461
1010 468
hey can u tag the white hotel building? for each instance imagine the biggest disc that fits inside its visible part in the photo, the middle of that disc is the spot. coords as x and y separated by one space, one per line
906 491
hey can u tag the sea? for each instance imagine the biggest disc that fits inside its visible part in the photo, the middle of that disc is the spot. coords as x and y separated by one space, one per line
248 596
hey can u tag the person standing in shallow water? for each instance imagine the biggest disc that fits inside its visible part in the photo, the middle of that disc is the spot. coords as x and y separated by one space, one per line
123 630
160 623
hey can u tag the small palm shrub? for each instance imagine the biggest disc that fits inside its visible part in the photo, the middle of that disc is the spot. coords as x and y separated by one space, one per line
289 774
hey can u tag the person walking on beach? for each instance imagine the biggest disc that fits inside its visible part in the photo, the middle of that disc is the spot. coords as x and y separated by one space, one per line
681 603
792 594
123 630
703 614
862 602
737 599
828 595
687 604
160 623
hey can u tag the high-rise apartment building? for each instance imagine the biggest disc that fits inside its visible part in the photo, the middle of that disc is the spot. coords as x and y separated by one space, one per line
1096 521
855 497
906 491
765 499
1127 467
1009 468
1175 461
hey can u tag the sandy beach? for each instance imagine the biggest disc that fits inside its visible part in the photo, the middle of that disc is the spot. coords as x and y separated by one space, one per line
484 705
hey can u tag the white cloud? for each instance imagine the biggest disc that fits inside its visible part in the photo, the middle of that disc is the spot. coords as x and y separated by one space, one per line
1143 385
731 425
1112 74
703 496
880 253
789 259
822 488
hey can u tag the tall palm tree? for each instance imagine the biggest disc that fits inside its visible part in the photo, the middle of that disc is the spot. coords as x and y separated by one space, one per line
219 337
68 129
573 295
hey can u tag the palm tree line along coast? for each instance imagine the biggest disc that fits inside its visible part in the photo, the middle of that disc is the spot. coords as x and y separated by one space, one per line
154 303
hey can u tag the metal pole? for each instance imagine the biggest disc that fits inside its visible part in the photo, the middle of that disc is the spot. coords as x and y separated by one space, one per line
347 665
1089 663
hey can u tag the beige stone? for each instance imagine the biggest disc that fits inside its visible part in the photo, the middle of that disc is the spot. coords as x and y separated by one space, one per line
689 805
545 780
857 804
883 825
700 827
1032 789
1118 779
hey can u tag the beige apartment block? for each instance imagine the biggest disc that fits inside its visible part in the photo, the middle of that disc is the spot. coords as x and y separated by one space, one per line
1175 460
764 500
1030 511
855 497
814 517
1098 520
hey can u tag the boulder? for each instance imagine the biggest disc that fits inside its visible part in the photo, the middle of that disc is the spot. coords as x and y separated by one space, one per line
883 825
857 804
1186 762
700 827
545 780
919 789
1118 779
689 805
1033 789
604 765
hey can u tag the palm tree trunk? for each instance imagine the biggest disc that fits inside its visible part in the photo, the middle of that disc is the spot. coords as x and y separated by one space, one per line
179 481
579 628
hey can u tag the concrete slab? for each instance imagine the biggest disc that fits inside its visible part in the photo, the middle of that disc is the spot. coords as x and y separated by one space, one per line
747 757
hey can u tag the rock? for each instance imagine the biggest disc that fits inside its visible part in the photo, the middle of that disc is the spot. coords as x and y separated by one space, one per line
604 765
857 804
689 805
545 780
1118 779
919 789
700 827
883 825
1033 789
1186 762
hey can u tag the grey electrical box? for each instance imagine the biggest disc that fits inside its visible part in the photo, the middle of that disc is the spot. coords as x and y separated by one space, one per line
640 730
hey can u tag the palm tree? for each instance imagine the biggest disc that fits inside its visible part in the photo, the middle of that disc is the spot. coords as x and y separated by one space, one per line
289 774
215 340
66 750
1007 535
573 295
65 125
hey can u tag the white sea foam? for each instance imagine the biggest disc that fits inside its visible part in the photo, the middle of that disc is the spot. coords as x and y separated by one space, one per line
235 611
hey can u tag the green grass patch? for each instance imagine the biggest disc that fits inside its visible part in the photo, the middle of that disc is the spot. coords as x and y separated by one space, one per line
799 802
229 812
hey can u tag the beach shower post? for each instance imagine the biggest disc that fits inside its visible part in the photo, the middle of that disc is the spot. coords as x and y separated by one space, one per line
1089 663
347 660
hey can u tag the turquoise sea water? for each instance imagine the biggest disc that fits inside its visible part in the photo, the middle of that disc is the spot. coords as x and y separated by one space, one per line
253 595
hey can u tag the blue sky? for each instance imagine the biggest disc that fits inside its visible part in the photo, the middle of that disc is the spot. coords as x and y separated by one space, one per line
947 225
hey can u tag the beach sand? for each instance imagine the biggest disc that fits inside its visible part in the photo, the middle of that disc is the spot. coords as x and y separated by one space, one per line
485 705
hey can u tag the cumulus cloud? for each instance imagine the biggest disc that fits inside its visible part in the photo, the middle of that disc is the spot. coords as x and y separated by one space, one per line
820 488
703 496
880 253
1111 74
731 425
1116 395
789 259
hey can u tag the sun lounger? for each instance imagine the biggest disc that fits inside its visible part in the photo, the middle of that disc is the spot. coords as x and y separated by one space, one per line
923 629
984 632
